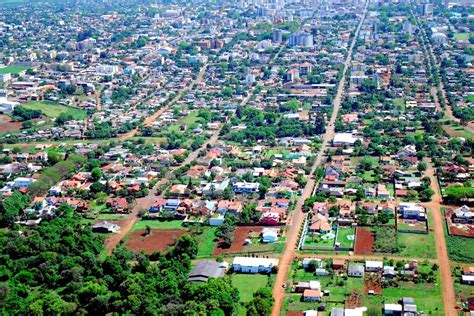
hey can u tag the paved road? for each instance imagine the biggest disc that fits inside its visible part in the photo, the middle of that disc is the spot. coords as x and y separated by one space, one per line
298 215
449 111
449 299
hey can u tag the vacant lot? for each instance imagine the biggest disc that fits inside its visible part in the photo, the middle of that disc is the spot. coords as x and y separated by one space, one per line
249 284
462 36
12 69
158 240
155 224
7 125
364 241
237 246
417 245
53 110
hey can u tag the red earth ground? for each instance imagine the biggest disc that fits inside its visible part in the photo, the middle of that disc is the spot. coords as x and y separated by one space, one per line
6 124
158 240
237 246
364 241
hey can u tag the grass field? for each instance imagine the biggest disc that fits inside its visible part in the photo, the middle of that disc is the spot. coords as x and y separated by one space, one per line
12 69
188 120
462 36
417 245
206 242
53 110
459 248
155 224
249 284
110 217
342 233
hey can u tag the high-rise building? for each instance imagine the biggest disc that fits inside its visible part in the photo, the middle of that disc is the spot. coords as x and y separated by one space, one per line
426 9
302 39
277 36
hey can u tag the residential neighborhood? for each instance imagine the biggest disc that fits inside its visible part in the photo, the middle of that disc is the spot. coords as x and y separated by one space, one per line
243 157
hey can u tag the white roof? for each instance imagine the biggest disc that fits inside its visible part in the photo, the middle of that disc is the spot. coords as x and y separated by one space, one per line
374 264
311 313
315 285
393 307
467 277
344 138
358 311
255 262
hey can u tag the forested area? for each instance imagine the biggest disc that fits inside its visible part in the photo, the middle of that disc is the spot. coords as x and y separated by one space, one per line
55 269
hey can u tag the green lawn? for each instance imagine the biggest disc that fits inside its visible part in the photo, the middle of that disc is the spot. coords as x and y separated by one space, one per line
12 69
342 233
206 242
156 224
53 110
462 36
97 207
368 176
188 120
310 241
459 248
110 217
417 245
247 284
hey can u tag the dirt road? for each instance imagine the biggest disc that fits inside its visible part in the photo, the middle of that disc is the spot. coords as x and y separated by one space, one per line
434 206
298 216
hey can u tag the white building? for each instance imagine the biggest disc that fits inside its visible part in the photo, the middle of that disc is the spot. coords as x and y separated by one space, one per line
341 139
254 265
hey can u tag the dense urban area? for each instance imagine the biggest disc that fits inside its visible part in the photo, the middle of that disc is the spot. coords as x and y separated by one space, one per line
237 157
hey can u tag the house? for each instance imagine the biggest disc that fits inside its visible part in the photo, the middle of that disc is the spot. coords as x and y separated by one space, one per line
468 270
216 220
22 182
412 211
306 262
341 139
157 206
206 269
105 227
311 285
338 264
393 309
233 207
463 215
389 272
409 307
373 266
269 235
254 265
319 224
467 279
370 193
321 272
382 191
356 271
171 205
270 219
246 187
312 295
118 205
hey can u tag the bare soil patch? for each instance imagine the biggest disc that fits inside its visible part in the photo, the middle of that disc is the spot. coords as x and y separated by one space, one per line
364 241
158 240
237 246
7 125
